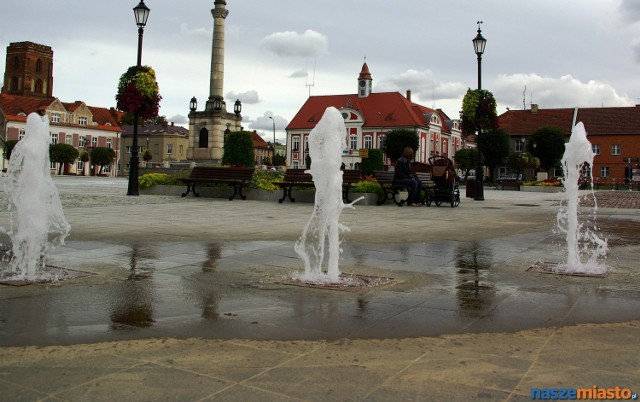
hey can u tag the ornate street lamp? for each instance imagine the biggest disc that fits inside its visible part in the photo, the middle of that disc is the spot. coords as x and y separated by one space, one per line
141 13
217 103
193 104
479 43
237 107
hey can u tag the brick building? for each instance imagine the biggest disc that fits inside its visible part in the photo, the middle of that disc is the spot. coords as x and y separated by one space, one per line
614 133
369 117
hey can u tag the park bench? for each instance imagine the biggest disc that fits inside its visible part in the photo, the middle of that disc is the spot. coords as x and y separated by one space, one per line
235 177
391 190
509 183
298 178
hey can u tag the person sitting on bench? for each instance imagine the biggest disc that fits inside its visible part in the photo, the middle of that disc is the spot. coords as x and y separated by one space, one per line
403 175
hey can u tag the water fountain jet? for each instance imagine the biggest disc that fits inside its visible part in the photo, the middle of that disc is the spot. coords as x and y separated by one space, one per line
37 223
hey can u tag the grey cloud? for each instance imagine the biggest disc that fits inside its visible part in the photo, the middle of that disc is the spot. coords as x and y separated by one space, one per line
422 84
250 97
292 44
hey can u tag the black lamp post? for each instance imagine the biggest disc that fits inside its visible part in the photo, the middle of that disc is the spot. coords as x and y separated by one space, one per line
274 138
479 42
193 104
141 12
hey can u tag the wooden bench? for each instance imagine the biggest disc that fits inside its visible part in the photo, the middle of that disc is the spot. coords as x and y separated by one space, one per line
515 184
391 190
235 177
298 178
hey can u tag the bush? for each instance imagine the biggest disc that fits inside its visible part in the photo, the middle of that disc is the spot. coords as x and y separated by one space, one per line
151 179
263 180
369 185
373 162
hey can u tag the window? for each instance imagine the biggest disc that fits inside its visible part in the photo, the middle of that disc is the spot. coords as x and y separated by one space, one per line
181 149
109 142
16 63
69 139
368 141
353 142
83 121
82 142
519 145
14 84
80 167
615 149
596 149
94 142
296 143
38 66
55 117
22 133
203 138
381 140
54 138
39 87
128 149
604 171
169 149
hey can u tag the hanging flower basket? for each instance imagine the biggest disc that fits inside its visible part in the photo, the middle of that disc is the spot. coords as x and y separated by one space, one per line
478 110
138 92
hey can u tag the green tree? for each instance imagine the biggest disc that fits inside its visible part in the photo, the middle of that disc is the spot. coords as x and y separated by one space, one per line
372 162
8 148
466 160
519 161
102 156
279 160
238 149
547 144
494 145
397 140
63 154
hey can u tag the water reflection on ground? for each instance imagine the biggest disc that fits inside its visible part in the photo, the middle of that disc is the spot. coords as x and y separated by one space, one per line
231 289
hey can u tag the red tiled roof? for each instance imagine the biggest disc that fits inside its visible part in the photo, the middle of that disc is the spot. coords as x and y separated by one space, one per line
13 105
597 121
258 142
386 109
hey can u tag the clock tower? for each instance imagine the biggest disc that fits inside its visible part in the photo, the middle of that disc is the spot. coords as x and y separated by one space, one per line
364 82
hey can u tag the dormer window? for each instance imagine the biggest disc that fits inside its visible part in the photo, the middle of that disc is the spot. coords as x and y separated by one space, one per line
83 121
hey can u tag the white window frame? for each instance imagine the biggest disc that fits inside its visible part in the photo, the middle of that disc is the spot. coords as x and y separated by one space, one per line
368 142
94 142
23 132
296 144
169 149
83 121
68 139
616 149
82 142
55 117
595 148
109 142
604 171
54 138
353 141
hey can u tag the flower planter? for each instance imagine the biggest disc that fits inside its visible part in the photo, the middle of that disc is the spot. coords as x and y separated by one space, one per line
542 189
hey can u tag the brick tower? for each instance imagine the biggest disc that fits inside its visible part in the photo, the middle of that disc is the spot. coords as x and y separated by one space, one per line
28 70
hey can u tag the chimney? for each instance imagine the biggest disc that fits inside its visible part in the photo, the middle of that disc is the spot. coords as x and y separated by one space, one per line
534 108
409 95
172 124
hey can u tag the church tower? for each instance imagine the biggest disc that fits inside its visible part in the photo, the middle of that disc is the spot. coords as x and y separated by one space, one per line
207 127
365 82
28 70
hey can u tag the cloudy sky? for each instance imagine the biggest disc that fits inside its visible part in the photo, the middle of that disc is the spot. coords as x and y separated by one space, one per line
553 53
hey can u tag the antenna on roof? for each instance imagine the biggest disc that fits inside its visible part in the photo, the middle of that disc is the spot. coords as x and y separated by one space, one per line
306 79
524 98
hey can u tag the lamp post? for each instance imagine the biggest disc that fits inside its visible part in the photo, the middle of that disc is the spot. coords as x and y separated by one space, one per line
479 42
274 139
141 12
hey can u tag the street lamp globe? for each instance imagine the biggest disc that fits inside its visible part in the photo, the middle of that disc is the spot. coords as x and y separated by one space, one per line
141 12
193 104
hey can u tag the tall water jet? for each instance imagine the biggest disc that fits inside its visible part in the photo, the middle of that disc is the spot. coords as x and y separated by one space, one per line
326 142
37 222
581 240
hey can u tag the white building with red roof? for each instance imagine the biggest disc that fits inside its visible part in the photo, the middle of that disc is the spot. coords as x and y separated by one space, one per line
369 117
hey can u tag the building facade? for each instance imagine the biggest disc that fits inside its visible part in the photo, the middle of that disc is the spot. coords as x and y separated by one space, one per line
167 144
84 127
369 117
614 133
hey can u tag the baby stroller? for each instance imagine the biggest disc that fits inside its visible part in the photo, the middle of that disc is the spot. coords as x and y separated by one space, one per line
445 183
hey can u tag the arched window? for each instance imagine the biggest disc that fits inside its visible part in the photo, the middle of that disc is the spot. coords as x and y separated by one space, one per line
203 139
38 66
38 88
16 63
14 84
